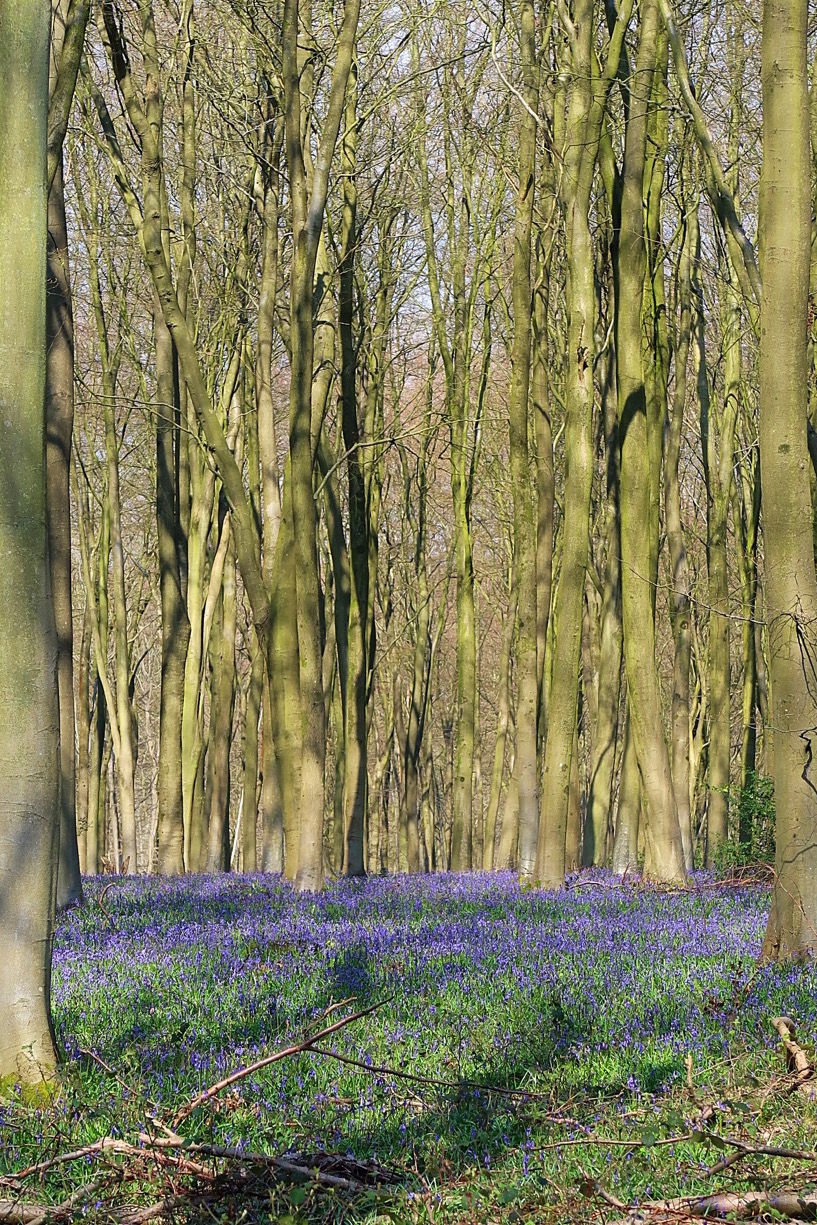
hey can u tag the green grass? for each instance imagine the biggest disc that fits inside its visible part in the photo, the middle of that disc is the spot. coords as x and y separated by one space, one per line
586 1004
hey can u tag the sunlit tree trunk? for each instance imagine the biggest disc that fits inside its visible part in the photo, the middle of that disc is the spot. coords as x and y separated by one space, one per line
60 419
680 612
69 19
605 735
628 815
29 708
355 778
307 203
222 700
664 853
172 493
249 812
524 501
502 720
791 588
587 99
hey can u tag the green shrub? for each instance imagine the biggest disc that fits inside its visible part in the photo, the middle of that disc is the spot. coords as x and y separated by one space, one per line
751 824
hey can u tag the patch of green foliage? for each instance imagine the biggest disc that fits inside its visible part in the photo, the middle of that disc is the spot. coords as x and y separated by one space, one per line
751 819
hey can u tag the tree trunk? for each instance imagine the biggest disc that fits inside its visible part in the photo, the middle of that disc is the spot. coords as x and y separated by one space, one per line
249 815
175 624
29 707
581 147
83 738
718 478
680 610
59 409
664 853
605 736
525 526
271 816
355 775
503 711
625 843
791 588
222 701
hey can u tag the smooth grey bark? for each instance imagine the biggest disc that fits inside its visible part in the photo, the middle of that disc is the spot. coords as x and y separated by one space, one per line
29 709
791 586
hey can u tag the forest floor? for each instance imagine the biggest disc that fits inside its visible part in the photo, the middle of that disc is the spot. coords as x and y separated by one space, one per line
520 1056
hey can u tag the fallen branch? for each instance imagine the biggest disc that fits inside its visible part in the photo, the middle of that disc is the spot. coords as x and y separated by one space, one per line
358 1177
39 1214
739 1206
433 1081
798 1064
306 1168
286 1053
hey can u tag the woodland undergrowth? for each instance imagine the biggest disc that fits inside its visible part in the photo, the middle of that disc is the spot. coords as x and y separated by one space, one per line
444 1049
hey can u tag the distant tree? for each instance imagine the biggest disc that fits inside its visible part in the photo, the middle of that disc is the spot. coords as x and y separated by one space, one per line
69 19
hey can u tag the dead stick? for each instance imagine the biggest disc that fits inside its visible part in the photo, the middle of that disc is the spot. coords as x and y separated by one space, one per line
739 1205
310 1173
107 1144
289 1051
38 1214
379 1070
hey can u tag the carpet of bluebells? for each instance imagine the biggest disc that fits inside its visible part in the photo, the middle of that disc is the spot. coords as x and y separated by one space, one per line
597 994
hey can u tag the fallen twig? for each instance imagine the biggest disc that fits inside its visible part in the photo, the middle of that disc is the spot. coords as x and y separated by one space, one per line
359 1176
798 1064
39 1214
738 1205
306 1168
286 1053
433 1081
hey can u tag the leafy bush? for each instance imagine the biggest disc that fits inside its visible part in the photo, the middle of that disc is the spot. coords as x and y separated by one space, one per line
751 821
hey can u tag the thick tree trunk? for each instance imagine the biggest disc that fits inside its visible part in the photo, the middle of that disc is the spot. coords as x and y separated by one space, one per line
29 708
307 203
664 853
581 152
791 588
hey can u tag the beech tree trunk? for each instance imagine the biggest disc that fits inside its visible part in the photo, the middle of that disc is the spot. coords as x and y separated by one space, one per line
59 408
791 587
29 708
664 853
